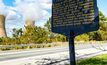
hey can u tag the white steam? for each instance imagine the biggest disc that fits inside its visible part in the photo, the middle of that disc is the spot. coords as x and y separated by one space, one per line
8 12
25 9
33 9
29 9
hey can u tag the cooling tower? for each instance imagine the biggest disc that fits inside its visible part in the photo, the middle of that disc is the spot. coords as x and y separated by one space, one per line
29 23
2 26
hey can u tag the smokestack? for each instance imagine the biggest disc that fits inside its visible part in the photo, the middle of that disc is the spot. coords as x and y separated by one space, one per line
2 26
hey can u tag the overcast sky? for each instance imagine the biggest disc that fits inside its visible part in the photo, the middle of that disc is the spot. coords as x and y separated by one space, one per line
17 11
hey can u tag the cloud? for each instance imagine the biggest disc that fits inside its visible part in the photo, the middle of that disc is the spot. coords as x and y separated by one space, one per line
25 9
8 12
33 9
46 4
1 3
2 8
29 9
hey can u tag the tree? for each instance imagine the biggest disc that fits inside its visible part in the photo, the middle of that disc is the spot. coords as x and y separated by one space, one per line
48 25
101 34
83 37
52 37
35 35
102 17
17 32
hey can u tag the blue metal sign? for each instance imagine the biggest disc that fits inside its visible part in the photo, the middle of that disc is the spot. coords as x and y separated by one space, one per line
79 16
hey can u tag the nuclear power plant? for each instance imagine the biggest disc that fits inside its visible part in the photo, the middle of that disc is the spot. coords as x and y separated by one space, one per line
2 26
29 23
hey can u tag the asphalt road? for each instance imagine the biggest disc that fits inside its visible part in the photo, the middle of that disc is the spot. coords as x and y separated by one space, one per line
38 52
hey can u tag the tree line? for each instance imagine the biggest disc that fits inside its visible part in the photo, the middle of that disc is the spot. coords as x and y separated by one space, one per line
100 35
33 35
38 35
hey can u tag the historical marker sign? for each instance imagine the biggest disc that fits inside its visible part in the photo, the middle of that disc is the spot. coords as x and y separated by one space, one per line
79 16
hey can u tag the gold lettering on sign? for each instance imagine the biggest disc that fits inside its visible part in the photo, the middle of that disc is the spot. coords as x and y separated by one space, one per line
73 12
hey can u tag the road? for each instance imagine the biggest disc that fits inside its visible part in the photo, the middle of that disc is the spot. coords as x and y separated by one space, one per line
38 52
34 52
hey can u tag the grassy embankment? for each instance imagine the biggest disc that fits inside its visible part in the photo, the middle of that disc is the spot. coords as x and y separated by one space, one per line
98 60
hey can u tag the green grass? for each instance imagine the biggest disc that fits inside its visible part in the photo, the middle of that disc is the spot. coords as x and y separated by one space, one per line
99 60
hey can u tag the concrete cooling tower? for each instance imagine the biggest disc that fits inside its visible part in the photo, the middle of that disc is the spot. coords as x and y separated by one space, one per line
29 23
2 26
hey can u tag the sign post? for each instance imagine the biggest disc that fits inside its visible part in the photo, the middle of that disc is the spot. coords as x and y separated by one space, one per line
72 18
72 49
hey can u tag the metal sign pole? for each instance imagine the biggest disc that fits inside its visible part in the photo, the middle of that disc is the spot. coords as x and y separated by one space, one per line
72 49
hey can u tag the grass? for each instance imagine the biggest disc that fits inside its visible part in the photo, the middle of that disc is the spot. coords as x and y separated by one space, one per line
99 60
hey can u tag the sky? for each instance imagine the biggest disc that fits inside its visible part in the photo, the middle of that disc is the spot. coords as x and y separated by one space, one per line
17 11
102 5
